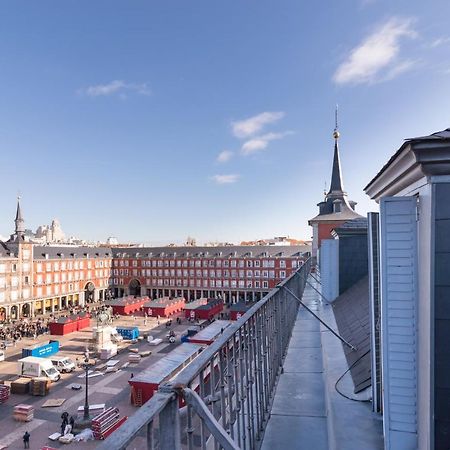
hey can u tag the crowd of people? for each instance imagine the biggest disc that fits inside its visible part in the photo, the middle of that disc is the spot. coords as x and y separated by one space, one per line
23 329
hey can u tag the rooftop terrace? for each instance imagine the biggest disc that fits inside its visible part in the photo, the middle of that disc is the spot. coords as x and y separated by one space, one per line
267 382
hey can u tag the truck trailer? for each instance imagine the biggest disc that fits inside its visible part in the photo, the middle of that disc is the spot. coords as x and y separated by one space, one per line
34 367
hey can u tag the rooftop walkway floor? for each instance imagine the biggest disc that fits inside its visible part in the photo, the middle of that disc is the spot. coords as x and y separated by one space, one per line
307 411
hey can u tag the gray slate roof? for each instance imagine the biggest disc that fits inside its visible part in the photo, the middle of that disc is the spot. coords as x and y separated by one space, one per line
5 251
351 310
239 251
66 252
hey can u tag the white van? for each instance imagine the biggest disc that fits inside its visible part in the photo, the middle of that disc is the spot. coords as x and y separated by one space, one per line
63 363
34 367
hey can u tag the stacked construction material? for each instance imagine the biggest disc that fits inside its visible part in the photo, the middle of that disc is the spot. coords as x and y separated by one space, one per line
4 393
23 413
107 422
20 386
134 358
94 410
40 386
108 352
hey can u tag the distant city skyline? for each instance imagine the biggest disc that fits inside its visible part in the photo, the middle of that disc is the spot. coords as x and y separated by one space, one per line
154 122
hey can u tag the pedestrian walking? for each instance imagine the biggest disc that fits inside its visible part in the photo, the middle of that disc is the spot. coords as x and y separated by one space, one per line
26 440
65 421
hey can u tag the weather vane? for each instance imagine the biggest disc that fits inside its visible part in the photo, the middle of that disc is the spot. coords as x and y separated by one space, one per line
336 133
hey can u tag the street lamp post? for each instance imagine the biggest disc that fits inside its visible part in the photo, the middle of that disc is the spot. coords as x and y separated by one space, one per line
86 400
86 421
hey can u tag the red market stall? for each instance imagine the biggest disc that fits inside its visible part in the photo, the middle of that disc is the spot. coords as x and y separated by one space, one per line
127 305
145 383
208 335
164 307
66 325
189 307
208 311
237 310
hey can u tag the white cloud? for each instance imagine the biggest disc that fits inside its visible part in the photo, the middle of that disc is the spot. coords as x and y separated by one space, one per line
225 179
398 69
224 156
440 41
248 127
377 55
259 143
115 87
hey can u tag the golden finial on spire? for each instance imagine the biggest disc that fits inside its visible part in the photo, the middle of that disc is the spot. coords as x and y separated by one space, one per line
336 133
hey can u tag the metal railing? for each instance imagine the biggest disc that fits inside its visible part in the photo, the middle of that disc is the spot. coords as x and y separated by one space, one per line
222 399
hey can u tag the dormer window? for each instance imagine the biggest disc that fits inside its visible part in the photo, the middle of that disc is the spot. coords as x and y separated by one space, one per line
337 205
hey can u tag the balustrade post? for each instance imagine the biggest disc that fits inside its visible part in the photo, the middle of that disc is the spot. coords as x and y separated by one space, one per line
169 426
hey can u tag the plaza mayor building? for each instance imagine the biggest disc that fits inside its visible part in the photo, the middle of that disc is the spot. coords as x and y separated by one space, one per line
43 279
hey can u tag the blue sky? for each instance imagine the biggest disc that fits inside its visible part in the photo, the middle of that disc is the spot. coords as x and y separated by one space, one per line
152 121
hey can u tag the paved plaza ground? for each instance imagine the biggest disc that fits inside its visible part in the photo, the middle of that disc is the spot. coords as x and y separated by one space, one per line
112 389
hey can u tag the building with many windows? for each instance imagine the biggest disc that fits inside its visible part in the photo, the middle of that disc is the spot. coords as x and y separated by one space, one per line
42 279
231 273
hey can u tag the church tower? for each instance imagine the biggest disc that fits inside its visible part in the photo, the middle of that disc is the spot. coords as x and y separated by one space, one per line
335 209
20 223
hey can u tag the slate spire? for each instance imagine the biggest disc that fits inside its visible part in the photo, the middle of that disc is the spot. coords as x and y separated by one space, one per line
336 185
20 223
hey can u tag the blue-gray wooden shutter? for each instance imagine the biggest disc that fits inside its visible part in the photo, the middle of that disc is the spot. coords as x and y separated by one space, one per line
373 235
398 234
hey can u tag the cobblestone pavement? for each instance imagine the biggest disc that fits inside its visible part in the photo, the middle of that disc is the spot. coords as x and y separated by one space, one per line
111 389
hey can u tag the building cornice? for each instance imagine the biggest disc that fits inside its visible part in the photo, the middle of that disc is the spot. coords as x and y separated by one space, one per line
413 161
